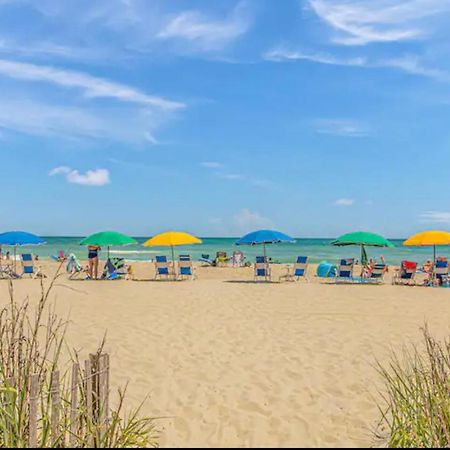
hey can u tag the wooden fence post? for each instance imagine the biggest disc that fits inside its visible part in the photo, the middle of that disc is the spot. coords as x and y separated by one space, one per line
74 405
34 392
56 404
89 412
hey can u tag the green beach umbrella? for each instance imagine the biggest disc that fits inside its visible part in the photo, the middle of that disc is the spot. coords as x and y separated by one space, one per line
363 239
108 239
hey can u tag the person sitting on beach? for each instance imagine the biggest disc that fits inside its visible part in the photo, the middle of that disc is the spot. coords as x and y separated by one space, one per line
93 261
368 268
8 256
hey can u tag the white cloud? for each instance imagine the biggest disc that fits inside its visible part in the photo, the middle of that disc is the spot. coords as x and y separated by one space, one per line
98 177
340 127
360 22
92 87
247 220
212 165
62 170
344 202
436 217
407 63
281 54
204 32
43 119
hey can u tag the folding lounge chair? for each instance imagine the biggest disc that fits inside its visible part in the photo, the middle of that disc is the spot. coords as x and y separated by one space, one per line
377 274
185 267
163 268
238 259
74 268
61 257
262 269
441 271
205 259
115 268
406 274
221 259
300 270
29 268
345 271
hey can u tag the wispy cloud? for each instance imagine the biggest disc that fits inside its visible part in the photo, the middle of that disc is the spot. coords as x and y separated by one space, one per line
92 87
340 127
247 220
436 217
344 202
52 120
406 63
360 22
212 165
204 32
96 178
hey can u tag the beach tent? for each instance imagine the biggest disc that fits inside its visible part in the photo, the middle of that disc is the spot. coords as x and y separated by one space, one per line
363 239
18 239
108 239
172 239
265 237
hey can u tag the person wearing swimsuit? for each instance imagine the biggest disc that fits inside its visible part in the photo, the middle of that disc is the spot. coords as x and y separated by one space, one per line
93 261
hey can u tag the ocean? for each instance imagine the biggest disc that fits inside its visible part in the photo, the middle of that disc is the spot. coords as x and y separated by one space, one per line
317 250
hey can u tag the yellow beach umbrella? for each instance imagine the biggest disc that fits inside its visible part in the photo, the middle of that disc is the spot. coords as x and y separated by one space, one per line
172 239
430 238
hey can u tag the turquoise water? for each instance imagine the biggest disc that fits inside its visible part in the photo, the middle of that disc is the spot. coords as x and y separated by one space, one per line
316 249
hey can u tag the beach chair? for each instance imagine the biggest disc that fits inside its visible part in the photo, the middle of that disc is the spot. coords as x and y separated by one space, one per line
345 271
29 268
221 259
185 267
406 274
299 272
262 269
163 268
206 260
441 270
238 259
115 268
74 268
377 274
61 257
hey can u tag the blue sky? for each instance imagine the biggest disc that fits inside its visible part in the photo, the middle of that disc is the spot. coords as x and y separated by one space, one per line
315 117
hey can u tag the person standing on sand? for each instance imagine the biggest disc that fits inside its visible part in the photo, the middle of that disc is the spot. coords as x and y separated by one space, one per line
93 261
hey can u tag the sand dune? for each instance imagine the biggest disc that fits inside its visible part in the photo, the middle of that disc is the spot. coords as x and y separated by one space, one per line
243 364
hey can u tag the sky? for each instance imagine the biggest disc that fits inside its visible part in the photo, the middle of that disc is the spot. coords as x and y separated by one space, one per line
314 117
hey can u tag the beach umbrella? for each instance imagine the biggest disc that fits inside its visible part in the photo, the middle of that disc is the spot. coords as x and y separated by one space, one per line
265 237
172 239
108 239
19 238
363 239
430 238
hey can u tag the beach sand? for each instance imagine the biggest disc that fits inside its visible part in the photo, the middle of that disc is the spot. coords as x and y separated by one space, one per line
231 363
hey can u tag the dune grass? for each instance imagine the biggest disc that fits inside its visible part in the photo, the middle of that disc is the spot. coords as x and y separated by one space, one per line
416 400
32 341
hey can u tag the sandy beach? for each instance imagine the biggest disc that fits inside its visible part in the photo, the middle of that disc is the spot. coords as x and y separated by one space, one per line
227 362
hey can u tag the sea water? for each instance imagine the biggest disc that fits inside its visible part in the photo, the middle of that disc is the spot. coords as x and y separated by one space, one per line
316 249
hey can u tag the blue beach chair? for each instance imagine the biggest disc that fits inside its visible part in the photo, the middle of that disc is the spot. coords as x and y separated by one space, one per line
206 260
28 267
301 268
262 269
345 271
441 271
163 268
185 267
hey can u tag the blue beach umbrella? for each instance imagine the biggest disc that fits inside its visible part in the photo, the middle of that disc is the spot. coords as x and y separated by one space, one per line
19 238
265 237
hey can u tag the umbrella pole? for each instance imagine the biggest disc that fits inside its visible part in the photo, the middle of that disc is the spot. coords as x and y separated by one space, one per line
173 262
266 262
